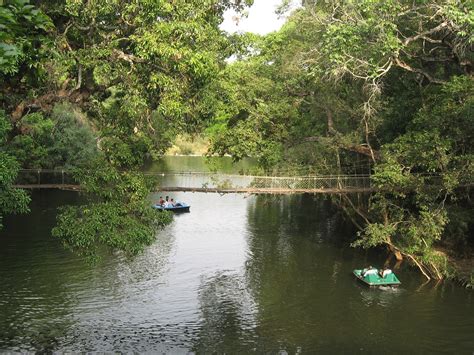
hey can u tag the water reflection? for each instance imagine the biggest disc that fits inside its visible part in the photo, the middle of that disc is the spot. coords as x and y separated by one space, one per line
49 298
199 164
29 290
228 314
236 275
300 277
382 296
291 268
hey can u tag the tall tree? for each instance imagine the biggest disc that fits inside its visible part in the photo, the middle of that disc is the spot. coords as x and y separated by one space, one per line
12 200
136 69
389 81
22 30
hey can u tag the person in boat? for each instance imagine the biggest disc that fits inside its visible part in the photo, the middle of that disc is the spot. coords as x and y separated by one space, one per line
384 272
161 201
172 204
369 271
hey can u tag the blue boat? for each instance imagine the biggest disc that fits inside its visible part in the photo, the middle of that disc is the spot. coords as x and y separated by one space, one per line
373 277
178 207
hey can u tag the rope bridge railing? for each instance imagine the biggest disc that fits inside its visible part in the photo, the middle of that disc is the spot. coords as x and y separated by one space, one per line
216 182
45 177
266 182
205 180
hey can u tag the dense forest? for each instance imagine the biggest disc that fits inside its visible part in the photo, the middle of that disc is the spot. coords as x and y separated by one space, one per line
385 88
382 87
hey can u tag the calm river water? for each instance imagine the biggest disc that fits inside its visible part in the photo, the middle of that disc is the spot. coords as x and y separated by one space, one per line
235 275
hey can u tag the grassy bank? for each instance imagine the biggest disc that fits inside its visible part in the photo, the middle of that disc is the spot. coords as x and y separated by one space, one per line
186 144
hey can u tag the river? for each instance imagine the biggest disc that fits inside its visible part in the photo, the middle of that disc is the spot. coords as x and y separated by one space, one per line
238 274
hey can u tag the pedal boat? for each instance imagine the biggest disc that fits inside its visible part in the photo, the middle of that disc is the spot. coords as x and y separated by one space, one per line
179 207
376 280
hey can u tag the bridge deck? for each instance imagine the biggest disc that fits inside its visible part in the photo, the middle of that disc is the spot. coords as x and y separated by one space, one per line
257 191
226 184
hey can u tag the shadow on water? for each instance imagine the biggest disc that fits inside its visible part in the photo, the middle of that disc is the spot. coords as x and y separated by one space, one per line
31 288
51 299
228 315
299 274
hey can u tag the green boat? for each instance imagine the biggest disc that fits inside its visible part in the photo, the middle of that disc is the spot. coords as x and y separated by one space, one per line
372 277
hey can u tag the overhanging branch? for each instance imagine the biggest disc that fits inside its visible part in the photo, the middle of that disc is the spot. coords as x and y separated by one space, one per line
362 149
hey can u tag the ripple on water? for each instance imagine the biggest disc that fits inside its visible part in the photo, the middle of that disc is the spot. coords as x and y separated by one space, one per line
233 276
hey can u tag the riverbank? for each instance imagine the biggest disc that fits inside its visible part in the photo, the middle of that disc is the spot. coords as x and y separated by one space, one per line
464 271
188 145
459 268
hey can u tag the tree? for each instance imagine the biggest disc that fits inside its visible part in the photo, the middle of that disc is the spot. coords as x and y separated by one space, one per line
133 72
271 106
23 29
427 44
433 161
389 81
12 200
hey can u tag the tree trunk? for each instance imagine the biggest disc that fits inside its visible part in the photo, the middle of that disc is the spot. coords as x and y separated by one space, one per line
331 130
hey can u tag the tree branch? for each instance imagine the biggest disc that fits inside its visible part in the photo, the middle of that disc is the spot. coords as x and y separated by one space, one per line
407 67
357 148
79 77
408 40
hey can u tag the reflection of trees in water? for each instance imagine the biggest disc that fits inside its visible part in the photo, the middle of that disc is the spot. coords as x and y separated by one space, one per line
428 308
49 309
300 277
285 232
226 165
47 294
36 275
292 260
228 315
145 268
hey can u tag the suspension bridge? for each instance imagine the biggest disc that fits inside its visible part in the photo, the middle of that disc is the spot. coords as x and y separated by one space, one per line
214 182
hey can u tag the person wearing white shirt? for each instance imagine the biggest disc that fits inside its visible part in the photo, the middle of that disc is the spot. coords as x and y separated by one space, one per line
369 271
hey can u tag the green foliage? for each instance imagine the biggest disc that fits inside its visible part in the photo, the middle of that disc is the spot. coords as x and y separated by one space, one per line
12 200
138 76
369 30
188 145
31 148
22 30
375 234
89 228
252 109
119 215
269 102
422 177
74 139
341 84
345 81
365 39
135 78
62 140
